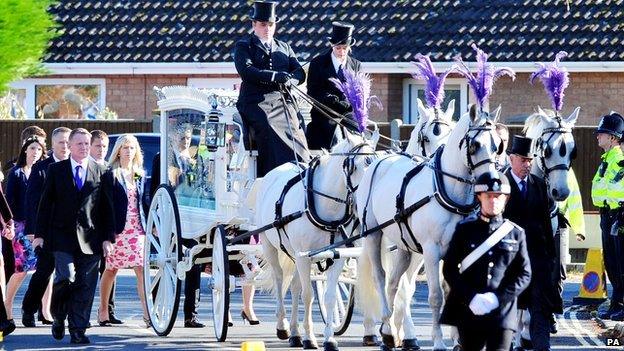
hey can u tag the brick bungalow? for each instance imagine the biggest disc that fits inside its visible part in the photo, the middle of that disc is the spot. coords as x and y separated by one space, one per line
112 53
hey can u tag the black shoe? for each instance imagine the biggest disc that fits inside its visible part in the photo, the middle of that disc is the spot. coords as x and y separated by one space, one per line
618 316
114 320
28 319
610 312
193 323
246 318
42 319
106 323
58 329
7 327
79 337
553 324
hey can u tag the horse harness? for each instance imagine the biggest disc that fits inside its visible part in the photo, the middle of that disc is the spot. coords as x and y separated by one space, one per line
422 138
307 178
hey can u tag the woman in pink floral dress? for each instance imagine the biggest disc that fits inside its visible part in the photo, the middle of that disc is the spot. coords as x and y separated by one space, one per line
124 185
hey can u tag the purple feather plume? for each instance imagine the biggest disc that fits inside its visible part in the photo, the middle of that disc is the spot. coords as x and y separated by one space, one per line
555 79
357 89
434 87
487 74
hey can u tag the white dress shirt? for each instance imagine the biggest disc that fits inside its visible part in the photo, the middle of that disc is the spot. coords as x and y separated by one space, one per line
337 63
518 180
83 170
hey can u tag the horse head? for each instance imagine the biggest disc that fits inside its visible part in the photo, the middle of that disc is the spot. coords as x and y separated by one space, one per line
432 129
357 152
554 147
476 138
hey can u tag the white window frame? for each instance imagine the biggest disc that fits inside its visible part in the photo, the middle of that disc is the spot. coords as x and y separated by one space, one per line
30 83
214 83
420 84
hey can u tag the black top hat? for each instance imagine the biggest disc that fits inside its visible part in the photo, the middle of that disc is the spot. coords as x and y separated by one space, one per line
492 182
612 123
341 34
264 11
521 146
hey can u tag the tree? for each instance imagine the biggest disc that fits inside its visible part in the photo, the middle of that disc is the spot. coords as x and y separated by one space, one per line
26 28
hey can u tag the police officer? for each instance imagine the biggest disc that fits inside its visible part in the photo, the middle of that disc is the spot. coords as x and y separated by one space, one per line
267 67
323 67
607 194
486 268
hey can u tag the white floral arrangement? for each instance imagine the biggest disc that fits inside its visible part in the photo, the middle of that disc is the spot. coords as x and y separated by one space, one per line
10 108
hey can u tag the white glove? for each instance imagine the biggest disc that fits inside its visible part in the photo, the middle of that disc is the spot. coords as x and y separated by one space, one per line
478 305
492 301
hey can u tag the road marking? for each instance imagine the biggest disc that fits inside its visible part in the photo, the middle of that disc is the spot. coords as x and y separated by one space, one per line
571 329
578 326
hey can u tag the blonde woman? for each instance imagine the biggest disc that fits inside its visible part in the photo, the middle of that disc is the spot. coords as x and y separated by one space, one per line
124 185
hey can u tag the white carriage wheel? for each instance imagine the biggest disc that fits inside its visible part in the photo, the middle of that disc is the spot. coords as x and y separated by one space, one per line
221 285
160 259
345 301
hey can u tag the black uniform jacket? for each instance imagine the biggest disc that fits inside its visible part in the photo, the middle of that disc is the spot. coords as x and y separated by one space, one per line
321 130
533 215
70 219
503 270
257 66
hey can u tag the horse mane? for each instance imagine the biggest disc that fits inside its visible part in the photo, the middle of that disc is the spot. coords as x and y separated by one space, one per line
532 124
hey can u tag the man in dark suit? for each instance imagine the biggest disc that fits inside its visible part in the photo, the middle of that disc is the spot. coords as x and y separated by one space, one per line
529 206
486 268
75 222
332 64
267 67
45 260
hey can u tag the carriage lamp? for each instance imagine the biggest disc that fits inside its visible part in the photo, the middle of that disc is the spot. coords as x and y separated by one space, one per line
215 131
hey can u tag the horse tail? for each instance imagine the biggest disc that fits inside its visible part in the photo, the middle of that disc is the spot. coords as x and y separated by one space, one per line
367 298
253 193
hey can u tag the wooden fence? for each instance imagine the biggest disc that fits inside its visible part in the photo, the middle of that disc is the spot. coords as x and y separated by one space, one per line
588 154
10 130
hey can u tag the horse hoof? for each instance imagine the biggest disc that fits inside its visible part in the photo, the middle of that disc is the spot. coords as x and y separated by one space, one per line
330 346
295 341
387 339
309 345
457 348
282 334
410 345
370 340
386 348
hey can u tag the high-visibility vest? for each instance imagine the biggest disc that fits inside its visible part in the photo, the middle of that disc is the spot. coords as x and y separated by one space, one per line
607 185
572 207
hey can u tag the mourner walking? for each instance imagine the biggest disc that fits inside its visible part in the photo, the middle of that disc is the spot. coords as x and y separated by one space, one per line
529 207
267 66
608 195
486 268
331 64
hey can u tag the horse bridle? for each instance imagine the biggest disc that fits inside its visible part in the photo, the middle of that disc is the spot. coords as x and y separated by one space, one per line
472 146
422 137
545 151
348 165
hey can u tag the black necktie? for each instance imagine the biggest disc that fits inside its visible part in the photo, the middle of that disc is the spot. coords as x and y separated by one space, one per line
340 74
523 189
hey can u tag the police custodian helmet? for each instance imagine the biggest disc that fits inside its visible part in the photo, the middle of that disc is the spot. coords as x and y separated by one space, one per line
492 182
613 124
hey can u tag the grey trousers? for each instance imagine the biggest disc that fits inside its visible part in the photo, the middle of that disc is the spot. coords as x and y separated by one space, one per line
74 288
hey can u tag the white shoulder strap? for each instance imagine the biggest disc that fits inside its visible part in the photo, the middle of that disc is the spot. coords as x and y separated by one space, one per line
492 240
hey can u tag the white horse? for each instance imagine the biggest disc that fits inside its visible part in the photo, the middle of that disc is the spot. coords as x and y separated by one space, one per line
335 178
555 148
431 130
471 150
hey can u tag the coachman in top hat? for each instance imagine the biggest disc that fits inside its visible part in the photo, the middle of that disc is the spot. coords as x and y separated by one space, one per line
268 67
330 65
